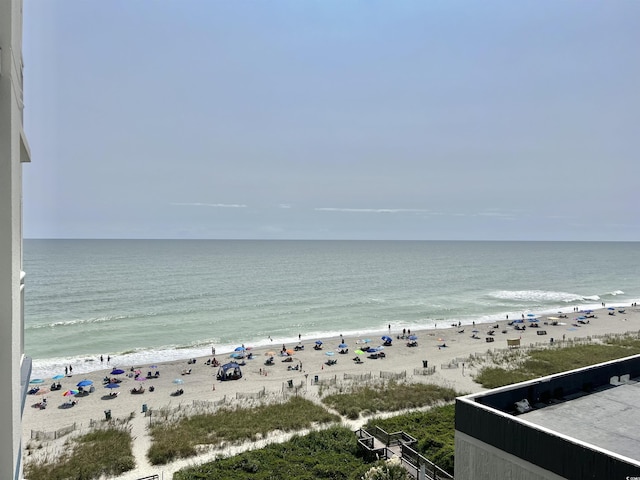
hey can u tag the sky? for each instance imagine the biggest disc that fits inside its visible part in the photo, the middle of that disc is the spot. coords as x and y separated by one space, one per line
332 119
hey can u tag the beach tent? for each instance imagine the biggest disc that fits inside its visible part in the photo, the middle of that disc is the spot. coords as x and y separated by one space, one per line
229 371
513 342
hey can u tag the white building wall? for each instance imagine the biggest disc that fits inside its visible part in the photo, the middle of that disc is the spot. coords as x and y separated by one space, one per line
13 151
476 460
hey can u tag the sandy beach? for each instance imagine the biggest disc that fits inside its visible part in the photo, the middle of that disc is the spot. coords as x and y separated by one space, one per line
201 384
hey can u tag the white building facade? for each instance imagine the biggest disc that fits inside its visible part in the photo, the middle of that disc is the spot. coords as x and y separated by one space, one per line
15 368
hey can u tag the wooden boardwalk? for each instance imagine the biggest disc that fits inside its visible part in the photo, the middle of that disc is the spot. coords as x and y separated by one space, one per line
383 445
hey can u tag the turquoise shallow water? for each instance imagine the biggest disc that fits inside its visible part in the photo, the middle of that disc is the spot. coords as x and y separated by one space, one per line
154 300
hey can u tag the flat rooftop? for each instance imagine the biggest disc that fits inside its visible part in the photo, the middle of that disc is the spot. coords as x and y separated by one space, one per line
608 418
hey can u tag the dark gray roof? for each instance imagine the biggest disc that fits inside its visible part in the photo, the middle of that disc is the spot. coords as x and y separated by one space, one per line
608 418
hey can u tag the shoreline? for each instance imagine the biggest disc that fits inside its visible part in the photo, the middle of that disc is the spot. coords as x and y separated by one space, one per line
88 363
201 383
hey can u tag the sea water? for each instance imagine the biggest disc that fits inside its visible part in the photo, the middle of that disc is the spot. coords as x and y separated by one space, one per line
145 301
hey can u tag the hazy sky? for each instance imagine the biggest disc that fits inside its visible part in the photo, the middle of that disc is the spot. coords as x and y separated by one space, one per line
514 120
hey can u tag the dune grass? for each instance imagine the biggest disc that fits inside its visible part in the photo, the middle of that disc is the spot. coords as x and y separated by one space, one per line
180 439
327 454
387 398
102 452
538 363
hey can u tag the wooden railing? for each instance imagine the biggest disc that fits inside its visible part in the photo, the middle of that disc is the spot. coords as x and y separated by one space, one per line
418 466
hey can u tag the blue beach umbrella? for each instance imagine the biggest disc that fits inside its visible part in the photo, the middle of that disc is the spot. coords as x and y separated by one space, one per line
387 338
610 308
343 345
318 342
412 337
582 318
112 385
239 349
531 315
57 377
532 319
37 380
117 371
84 383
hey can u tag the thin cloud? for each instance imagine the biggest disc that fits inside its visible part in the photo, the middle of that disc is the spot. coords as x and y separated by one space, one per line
214 205
371 210
496 214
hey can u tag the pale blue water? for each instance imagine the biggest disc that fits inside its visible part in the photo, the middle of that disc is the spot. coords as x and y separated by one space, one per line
153 300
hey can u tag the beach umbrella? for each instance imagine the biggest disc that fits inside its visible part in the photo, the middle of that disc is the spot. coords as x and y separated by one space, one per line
153 366
379 348
237 355
387 338
57 377
412 337
37 380
475 331
140 379
582 318
531 315
343 345
84 383
239 349
117 371
112 385
532 319
518 321
178 381
610 308
318 342
290 352
69 393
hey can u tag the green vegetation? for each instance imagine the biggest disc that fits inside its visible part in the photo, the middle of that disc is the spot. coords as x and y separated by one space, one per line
389 398
103 452
433 429
391 469
538 363
181 438
330 454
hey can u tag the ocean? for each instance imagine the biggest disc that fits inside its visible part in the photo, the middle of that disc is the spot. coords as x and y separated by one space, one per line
145 301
